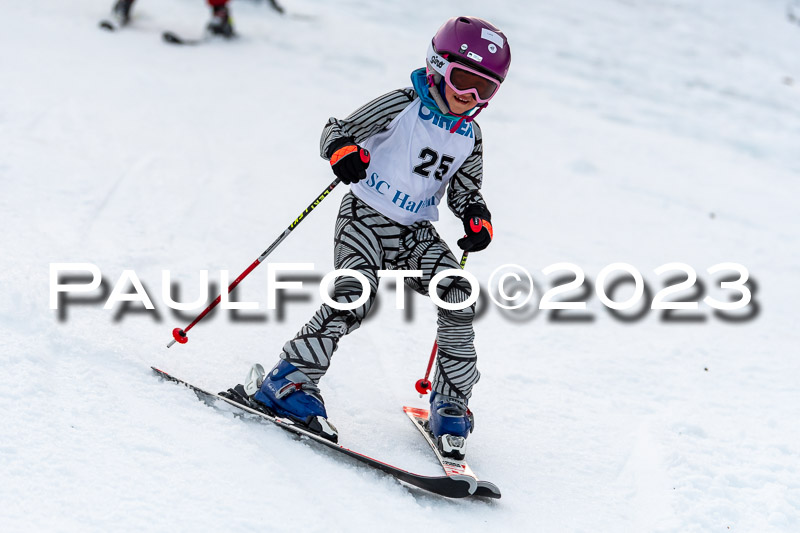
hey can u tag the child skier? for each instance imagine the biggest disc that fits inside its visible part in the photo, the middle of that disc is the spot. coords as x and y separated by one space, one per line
399 154
220 23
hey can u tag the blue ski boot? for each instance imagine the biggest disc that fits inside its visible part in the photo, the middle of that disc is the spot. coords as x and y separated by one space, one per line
450 422
291 394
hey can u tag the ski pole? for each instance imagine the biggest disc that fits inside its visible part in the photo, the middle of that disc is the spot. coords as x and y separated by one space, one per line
423 385
179 335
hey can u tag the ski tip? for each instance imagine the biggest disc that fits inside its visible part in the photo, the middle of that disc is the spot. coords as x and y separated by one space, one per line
472 483
487 489
171 38
107 25
174 38
160 372
415 411
277 7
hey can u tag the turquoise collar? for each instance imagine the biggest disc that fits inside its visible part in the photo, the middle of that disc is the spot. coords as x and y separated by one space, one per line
420 81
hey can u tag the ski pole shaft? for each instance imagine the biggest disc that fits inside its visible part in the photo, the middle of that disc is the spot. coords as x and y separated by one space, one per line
179 335
423 385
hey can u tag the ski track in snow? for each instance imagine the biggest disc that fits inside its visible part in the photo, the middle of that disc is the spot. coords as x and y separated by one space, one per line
623 126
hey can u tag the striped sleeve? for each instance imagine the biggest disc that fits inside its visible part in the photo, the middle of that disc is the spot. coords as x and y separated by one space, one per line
464 190
365 121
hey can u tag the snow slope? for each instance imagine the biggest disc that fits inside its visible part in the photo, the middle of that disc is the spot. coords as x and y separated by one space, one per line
628 131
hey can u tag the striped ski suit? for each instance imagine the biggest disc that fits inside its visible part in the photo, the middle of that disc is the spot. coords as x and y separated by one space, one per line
367 240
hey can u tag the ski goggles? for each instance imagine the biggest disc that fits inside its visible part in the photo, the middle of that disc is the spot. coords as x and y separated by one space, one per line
462 79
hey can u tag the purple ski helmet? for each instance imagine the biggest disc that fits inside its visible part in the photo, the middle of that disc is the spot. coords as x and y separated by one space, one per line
475 43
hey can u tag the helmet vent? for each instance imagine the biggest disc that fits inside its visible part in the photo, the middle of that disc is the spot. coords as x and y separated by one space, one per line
465 20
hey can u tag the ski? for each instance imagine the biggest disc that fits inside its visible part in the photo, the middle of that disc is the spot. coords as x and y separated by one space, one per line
281 11
109 25
276 6
451 467
167 36
450 486
174 38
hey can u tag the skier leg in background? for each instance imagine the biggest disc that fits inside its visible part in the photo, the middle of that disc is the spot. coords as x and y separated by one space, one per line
122 11
420 139
221 23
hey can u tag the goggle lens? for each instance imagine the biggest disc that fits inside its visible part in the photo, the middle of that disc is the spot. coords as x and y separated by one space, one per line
463 80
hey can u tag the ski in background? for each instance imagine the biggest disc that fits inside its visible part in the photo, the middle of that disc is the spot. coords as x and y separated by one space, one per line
282 11
451 486
108 25
276 6
173 38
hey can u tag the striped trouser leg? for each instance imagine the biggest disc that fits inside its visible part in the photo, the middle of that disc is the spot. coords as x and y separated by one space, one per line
456 370
359 244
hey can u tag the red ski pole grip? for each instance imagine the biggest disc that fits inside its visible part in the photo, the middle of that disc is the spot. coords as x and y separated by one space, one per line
179 335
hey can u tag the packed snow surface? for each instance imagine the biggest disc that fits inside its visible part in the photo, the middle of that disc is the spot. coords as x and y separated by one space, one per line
643 132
